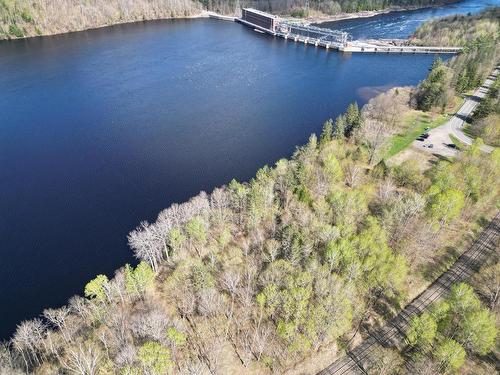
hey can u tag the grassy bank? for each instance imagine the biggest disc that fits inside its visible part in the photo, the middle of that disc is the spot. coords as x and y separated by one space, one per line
416 123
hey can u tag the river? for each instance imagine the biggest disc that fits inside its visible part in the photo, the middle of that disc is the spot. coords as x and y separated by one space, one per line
404 24
104 128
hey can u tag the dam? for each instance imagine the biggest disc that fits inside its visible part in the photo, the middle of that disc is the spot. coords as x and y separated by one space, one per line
341 41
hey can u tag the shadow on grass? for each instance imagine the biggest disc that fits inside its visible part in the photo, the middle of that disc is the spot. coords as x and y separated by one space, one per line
440 263
439 158
491 359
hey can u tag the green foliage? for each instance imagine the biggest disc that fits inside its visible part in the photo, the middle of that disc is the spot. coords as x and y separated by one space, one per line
327 133
175 239
299 13
468 78
16 31
450 355
155 358
332 168
433 91
478 331
26 16
353 118
177 337
348 207
463 300
201 277
407 174
139 280
446 205
479 35
340 127
422 331
196 230
96 288
456 323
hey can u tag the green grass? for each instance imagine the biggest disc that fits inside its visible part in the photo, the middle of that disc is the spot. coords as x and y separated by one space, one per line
416 126
456 142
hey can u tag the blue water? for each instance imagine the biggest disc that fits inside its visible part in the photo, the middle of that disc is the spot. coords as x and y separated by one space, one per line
102 129
404 24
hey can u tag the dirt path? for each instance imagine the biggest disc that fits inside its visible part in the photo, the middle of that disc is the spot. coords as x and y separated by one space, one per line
392 334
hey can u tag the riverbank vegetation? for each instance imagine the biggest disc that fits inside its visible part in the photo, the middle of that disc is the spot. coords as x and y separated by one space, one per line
262 276
485 122
479 35
443 91
304 8
26 18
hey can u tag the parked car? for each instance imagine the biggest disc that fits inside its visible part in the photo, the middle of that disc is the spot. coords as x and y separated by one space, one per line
425 135
452 145
420 139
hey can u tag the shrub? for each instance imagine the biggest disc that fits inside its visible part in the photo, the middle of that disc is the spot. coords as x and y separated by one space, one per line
14 30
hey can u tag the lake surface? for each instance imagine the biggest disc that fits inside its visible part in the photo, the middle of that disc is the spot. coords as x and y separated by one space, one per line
102 129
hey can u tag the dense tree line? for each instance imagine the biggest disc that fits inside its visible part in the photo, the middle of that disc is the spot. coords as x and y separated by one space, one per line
479 35
302 8
455 335
486 118
19 18
260 275
452 328
256 277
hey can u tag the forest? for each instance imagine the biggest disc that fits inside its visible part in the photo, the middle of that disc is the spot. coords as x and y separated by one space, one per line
264 276
479 35
282 273
26 18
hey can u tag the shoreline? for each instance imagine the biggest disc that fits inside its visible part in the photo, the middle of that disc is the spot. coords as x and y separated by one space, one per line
203 14
370 13
206 13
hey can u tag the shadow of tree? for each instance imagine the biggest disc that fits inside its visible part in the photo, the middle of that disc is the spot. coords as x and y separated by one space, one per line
440 263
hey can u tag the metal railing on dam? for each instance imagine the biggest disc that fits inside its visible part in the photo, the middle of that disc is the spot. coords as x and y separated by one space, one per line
334 39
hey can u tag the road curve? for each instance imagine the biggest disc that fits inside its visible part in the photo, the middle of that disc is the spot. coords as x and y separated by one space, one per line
392 334
456 123
440 137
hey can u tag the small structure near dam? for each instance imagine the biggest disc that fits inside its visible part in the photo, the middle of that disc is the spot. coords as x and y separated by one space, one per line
327 38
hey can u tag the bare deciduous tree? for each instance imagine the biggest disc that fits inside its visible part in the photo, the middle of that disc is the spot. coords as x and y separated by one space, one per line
150 324
373 134
28 341
352 173
82 360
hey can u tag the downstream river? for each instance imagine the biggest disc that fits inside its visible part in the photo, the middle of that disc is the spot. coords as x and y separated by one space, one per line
404 24
102 129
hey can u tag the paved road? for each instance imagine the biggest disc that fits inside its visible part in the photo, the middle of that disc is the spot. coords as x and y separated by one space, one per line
392 334
440 136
